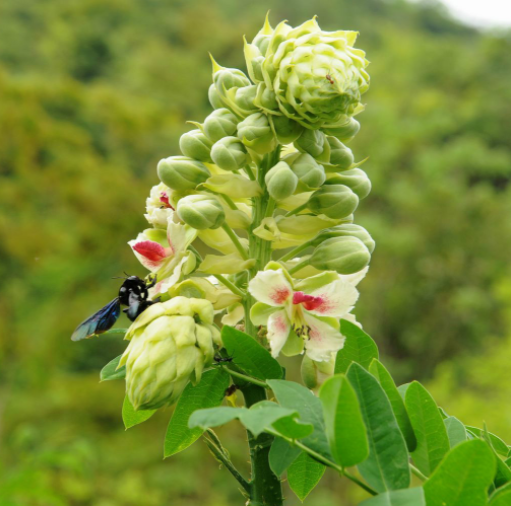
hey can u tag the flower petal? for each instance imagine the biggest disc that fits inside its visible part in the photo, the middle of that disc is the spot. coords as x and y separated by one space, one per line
259 313
278 331
234 315
150 254
357 277
271 287
335 299
323 339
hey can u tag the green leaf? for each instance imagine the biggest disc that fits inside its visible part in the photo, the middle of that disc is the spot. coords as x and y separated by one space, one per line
463 477
131 417
402 390
297 397
387 467
109 372
358 347
282 455
455 431
377 369
257 419
498 444
208 393
406 497
291 427
428 426
249 355
503 473
501 496
304 474
345 427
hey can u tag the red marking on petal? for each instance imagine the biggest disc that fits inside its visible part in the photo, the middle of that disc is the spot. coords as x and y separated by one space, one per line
164 198
280 323
280 295
151 250
309 301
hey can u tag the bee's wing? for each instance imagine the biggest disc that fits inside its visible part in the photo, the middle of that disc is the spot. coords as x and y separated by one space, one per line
99 322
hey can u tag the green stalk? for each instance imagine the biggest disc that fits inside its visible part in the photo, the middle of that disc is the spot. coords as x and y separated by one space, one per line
224 459
299 266
232 287
265 487
249 172
295 251
235 240
244 377
296 210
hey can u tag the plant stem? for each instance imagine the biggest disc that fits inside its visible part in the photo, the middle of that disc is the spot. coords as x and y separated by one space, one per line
265 487
299 266
418 473
224 459
294 252
230 202
327 462
270 206
235 240
232 287
296 210
244 377
249 172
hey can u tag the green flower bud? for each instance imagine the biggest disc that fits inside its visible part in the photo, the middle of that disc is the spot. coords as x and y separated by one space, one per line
314 374
229 153
244 99
256 133
170 344
201 211
356 179
214 97
286 130
257 68
225 79
220 123
344 132
281 181
335 201
311 141
182 173
195 145
345 255
345 230
265 99
318 77
341 157
256 51
310 173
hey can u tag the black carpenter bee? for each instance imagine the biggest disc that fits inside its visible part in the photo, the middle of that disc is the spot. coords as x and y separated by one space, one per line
133 293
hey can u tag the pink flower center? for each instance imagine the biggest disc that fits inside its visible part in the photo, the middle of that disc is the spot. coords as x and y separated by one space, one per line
151 250
164 198
309 301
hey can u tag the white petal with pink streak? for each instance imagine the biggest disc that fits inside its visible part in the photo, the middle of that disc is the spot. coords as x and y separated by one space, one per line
323 339
278 331
338 298
271 287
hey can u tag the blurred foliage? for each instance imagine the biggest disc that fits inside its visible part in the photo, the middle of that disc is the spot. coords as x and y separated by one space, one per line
94 93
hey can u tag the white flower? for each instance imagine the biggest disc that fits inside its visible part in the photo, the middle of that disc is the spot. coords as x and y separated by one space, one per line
158 206
303 316
165 253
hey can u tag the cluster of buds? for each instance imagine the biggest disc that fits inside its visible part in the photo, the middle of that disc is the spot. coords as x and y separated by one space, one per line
170 344
268 183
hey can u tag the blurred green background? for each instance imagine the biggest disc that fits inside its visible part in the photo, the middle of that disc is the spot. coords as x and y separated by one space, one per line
93 93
